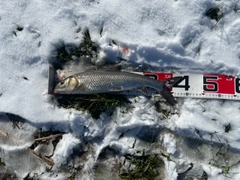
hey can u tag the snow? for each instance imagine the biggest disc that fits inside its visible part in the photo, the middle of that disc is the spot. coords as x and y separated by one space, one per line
168 35
65 148
170 143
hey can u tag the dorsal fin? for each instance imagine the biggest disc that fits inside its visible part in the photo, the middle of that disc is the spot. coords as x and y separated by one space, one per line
116 67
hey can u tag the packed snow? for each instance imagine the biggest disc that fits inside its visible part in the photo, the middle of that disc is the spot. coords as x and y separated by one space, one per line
199 138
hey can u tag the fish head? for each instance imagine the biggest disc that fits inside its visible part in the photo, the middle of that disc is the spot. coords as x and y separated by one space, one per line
66 86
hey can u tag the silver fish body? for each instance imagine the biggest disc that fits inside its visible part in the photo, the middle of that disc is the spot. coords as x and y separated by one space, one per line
102 81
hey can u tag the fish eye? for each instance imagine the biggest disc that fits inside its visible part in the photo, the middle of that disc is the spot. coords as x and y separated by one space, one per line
61 82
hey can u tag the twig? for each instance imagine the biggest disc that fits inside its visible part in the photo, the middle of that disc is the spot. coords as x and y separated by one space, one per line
42 157
48 137
7 136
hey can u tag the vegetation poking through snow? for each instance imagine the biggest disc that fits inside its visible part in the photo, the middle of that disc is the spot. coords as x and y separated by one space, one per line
204 176
95 104
2 163
228 128
221 160
145 167
236 8
225 168
63 54
87 48
161 109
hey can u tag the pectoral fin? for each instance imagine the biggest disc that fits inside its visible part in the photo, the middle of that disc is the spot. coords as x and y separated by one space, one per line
116 89
82 87
143 90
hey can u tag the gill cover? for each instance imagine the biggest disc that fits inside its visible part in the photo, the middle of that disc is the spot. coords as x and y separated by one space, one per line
67 85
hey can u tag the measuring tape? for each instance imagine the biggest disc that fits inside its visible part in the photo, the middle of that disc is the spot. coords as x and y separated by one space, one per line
215 86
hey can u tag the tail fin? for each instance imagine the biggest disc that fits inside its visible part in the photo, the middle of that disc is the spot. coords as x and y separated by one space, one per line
166 94
169 97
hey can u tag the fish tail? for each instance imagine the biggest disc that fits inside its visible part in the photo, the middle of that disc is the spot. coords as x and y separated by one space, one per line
166 92
169 97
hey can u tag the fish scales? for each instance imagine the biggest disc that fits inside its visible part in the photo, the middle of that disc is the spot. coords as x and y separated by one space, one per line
104 81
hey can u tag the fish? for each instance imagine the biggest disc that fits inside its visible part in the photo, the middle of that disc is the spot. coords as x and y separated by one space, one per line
107 81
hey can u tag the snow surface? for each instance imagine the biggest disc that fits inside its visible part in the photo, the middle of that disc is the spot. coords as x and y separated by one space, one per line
167 35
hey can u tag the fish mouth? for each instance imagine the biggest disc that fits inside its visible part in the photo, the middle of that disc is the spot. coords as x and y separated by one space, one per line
55 91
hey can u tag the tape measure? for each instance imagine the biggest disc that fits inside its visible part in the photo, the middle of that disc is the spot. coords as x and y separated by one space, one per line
215 86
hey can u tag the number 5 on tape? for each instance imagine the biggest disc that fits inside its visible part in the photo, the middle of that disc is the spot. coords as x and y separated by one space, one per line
218 84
